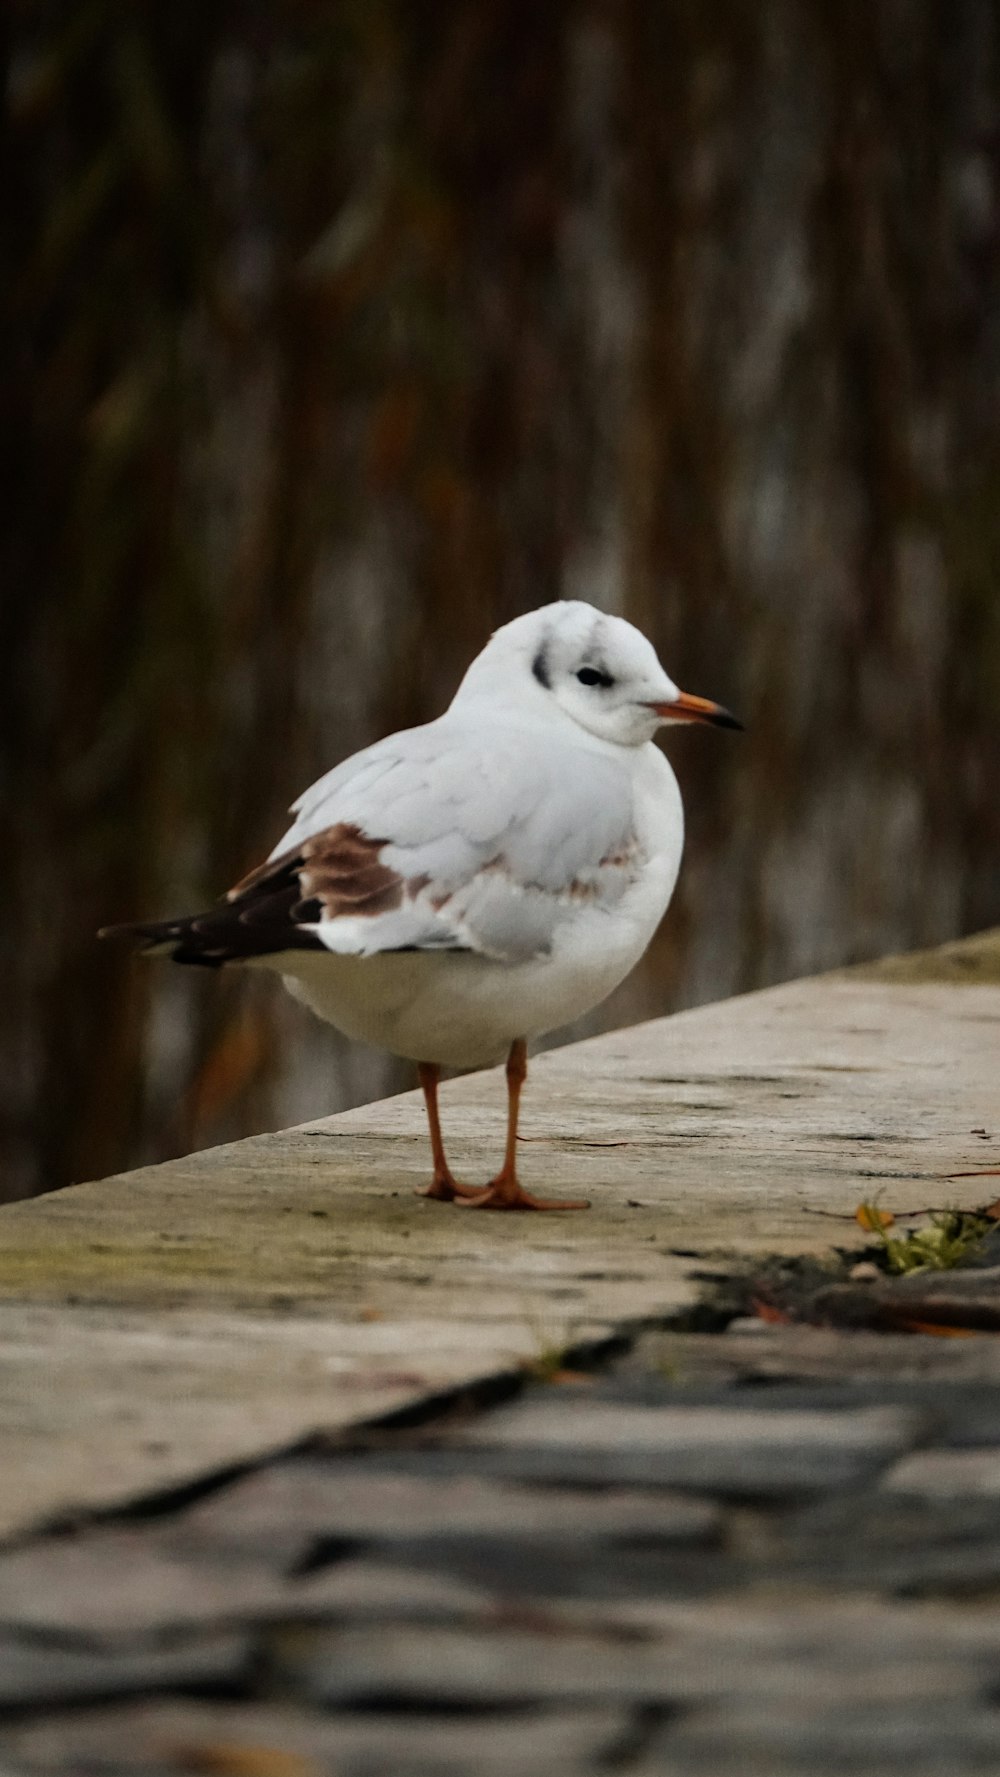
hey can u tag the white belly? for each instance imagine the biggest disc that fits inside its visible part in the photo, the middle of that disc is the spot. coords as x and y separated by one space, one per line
460 1009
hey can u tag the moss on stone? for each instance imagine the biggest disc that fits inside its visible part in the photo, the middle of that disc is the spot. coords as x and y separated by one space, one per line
965 962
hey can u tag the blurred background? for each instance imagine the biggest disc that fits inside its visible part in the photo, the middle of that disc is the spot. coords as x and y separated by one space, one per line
337 334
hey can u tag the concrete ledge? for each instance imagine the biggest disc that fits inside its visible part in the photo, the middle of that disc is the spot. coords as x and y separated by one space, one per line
177 1319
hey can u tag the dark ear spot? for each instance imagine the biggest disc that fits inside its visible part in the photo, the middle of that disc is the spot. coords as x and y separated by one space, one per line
540 668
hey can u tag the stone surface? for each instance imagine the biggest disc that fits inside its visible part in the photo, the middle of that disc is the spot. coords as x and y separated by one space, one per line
35 1671
846 1740
769 1551
127 1580
787 1355
731 1450
947 1474
963 960
441 1668
864 1653
199 1314
399 1609
289 1506
290 1742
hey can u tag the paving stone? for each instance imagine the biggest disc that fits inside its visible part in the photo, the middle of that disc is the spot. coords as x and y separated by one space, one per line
802 1354
114 1584
959 1408
192 1737
949 1299
126 1580
439 1669
36 1672
860 1740
567 1570
287 1507
368 1591
823 1645
897 1543
784 1653
733 1450
946 1474
974 1281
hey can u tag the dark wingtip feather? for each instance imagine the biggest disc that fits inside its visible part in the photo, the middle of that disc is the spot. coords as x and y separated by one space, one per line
233 933
141 934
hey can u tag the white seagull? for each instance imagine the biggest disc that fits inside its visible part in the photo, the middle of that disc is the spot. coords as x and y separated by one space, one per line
458 889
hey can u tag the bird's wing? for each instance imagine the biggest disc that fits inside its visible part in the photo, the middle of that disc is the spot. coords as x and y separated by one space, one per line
451 837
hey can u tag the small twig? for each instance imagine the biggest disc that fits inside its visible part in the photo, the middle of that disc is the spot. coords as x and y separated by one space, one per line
571 1142
836 1215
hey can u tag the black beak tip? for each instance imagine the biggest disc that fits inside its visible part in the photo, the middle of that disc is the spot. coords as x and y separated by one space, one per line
725 719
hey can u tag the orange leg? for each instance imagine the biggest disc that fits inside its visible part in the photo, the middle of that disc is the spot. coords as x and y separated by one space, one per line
504 1191
444 1186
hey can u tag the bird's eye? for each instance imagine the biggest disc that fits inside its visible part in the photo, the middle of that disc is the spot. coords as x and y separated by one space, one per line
589 675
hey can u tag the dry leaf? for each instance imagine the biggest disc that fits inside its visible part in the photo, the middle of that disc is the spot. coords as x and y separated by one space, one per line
872 1219
906 1325
769 1312
225 1759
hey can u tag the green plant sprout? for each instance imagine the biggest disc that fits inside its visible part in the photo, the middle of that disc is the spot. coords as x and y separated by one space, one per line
944 1242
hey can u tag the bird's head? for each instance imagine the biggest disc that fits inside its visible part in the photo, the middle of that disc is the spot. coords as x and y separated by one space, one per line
597 669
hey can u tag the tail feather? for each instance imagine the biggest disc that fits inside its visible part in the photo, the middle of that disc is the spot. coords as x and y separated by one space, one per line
263 916
226 934
175 938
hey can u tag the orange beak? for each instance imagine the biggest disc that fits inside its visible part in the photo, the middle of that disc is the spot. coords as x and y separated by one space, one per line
686 708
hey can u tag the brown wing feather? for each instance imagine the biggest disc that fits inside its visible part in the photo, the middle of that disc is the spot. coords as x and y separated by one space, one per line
272 909
338 868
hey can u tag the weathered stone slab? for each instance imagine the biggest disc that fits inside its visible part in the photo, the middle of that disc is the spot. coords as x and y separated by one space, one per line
828 1629
123 1581
160 1324
373 1591
287 1506
39 1672
901 1544
947 1474
864 1651
441 1668
927 1739
747 1451
177 1391
962 962
278 1741
966 1369
235 1558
